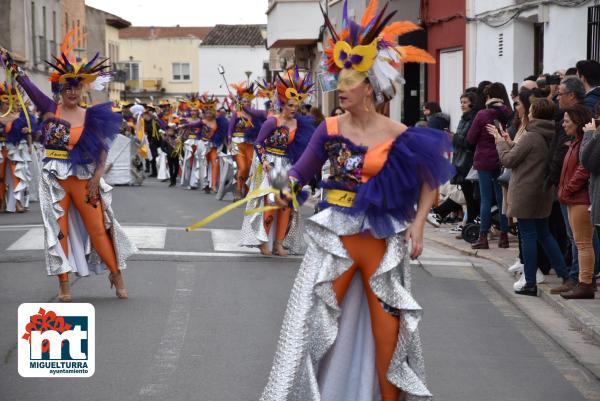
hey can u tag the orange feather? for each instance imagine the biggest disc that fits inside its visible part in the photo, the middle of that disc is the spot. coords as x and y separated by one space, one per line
412 54
398 28
369 13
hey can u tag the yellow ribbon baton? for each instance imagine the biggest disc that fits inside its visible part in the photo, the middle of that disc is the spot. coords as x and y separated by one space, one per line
257 193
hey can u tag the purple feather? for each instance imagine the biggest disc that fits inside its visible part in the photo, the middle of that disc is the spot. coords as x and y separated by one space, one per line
345 14
416 157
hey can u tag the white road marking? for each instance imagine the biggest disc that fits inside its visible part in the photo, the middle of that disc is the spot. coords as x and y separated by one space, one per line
33 239
160 372
143 237
209 254
228 240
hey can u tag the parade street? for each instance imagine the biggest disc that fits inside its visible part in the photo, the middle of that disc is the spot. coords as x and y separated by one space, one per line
203 316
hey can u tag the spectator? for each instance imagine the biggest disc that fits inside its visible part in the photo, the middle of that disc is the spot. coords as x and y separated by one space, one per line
435 118
480 95
338 111
571 72
462 158
316 114
521 115
573 192
589 73
590 159
529 200
487 162
570 93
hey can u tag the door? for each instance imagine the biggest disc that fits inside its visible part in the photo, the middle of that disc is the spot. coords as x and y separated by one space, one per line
451 84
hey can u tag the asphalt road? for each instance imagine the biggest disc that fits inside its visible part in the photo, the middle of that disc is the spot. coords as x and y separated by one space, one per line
203 316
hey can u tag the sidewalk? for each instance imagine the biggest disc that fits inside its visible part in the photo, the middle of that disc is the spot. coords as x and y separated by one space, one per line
583 315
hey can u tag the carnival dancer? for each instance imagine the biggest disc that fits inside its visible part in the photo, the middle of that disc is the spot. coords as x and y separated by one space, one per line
172 147
382 187
213 132
74 199
193 158
151 126
16 155
243 130
281 141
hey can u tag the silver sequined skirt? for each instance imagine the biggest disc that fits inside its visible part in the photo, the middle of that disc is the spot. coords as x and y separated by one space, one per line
311 322
82 256
253 231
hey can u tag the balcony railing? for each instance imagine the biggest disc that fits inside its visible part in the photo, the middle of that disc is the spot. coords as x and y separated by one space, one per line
144 85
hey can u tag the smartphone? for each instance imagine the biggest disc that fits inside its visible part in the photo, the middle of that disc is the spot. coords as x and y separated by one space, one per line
515 89
597 121
498 126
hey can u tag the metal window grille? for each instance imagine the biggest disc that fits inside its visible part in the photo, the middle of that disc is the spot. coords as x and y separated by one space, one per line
593 33
500 44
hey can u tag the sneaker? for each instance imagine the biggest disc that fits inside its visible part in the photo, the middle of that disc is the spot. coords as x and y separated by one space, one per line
520 283
530 290
457 229
433 219
517 267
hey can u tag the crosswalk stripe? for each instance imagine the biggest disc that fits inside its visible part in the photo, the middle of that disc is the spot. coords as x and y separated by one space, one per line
142 237
228 241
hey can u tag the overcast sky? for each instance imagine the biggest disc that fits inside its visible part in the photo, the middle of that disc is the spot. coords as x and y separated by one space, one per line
185 12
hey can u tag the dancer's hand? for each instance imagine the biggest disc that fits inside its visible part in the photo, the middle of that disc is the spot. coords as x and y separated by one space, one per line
283 199
266 166
92 187
415 235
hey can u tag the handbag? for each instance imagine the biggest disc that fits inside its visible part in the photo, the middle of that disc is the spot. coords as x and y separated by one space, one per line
504 178
473 175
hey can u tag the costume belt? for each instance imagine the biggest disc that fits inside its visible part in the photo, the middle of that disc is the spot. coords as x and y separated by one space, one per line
239 135
341 198
275 151
57 154
192 136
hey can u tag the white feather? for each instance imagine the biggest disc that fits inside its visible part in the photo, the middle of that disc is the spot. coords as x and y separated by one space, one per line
100 82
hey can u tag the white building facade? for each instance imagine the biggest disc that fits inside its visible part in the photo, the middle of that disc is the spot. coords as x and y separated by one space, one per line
239 49
511 39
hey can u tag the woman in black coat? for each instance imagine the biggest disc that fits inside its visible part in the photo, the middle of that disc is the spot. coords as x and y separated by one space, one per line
462 158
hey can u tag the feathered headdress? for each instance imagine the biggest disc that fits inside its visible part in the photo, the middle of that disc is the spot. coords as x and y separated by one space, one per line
193 100
244 91
208 102
292 87
266 89
371 48
72 72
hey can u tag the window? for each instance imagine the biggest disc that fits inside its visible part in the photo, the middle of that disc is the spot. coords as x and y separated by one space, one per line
132 71
593 33
181 72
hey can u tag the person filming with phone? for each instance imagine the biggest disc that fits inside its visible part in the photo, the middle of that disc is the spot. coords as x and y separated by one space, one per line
487 162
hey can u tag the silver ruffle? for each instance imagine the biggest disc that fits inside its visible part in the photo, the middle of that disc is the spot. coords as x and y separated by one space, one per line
21 158
253 231
310 325
50 194
194 167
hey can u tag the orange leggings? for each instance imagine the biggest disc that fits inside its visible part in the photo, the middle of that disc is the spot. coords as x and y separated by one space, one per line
93 219
213 159
3 164
283 220
243 160
367 253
